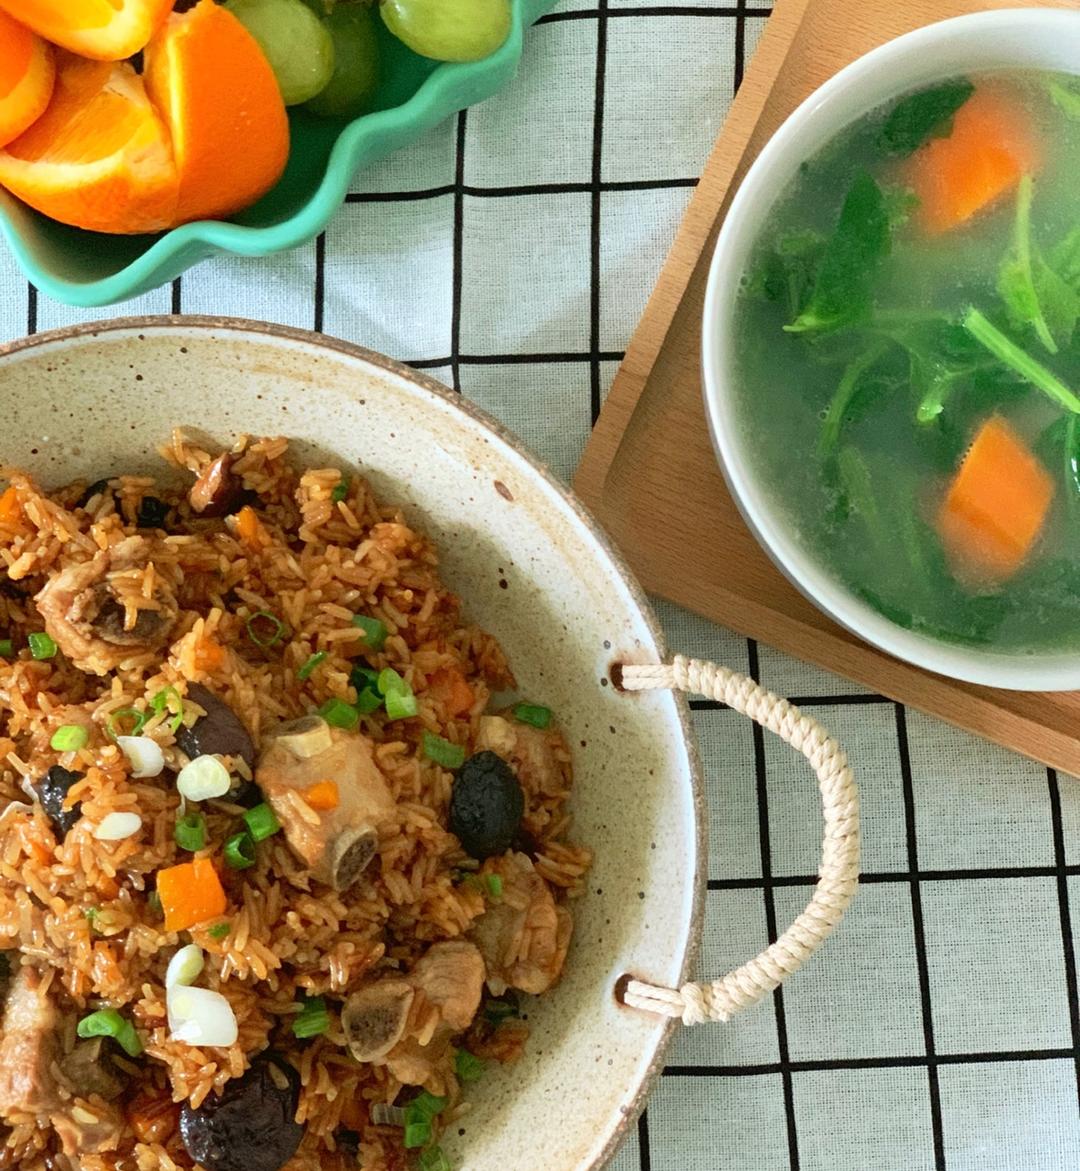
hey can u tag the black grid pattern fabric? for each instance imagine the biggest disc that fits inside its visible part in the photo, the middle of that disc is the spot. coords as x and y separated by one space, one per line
510 253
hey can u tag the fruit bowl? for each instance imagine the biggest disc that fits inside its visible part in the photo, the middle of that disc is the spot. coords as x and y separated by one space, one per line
89 269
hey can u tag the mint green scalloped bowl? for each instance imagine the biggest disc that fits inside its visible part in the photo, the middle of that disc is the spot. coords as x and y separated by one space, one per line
91 269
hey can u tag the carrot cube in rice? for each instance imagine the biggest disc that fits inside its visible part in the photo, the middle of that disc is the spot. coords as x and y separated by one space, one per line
190 893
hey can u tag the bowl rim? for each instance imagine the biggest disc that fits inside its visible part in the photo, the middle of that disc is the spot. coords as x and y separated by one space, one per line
433 102
774 166
163 323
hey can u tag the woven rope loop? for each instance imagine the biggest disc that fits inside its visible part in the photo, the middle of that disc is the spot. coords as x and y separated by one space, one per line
838 874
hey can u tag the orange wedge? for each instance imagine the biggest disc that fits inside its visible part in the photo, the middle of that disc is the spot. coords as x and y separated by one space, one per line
105 30
27 72
99 157
217 93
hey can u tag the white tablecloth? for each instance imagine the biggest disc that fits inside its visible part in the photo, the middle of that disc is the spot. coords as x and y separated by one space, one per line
511 252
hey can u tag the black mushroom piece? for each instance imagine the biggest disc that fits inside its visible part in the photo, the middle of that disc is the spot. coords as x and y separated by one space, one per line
97 488
108 623
251 1125
217 492
218 733
486 805
52 791
89 1069
151 513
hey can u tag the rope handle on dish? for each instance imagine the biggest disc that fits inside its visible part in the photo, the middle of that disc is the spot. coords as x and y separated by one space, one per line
838 875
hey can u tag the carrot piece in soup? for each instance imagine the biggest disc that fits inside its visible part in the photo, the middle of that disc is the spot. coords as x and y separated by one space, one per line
190 893
991 146
995 506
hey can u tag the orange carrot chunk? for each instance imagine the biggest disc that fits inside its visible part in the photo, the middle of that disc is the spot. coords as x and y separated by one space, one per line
190 893
449 686
250 529
11 512
209 655
992 144
995 506
323 796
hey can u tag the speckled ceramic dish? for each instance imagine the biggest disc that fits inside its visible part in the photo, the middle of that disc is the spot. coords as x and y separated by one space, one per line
95 400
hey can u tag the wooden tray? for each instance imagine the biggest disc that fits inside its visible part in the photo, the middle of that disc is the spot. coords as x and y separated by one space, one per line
649 472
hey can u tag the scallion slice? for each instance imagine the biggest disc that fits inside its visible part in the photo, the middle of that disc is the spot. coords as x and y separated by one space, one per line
390 682
373 629
433 1159
127 713
240 851
340 490
339 714
364 679
442 751
169 697
495 886
265 629
107 1022
69 738
467 1066
368 701
534 714
306 670
417 1134
401 705
313 1019
219 930
190 832
7 648
41 645
262 822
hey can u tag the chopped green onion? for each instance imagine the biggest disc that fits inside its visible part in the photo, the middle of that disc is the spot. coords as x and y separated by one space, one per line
401 705
417 1134
368 701
468 1066
41 645
496 1011
124 713
532 713
374 631
339 714
219 930
265 629
442 751
365 679
153 901
495 886
306 670
390 682
424 1107
69 738
341 490
190 832
240 851
162 700
91 913
7 648
433 1159
313 1019
107 1022
262 822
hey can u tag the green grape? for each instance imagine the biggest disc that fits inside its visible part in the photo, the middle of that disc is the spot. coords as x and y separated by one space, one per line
300 50
449 30
356 64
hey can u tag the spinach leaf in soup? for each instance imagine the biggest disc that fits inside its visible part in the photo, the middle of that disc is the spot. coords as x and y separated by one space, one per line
927 114
1065 259
1034 294
1065 94
785 272
850 261
1059 447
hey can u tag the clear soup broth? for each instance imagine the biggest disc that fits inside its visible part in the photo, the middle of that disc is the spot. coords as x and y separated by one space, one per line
908 359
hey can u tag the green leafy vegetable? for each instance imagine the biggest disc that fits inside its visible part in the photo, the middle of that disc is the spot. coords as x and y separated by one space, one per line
1065 94
785 272
850 261
1019 360
1065 259
845 392
1034 294
924 115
